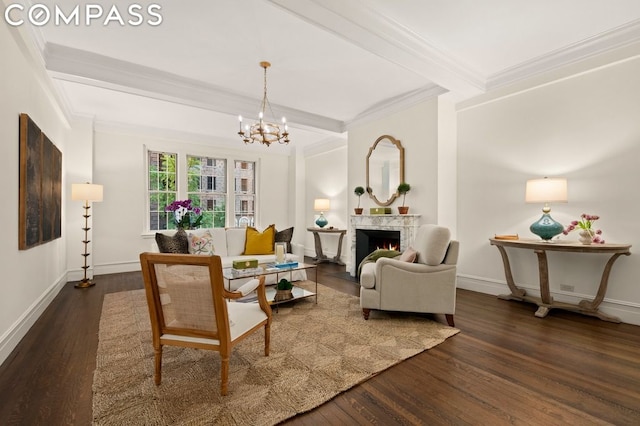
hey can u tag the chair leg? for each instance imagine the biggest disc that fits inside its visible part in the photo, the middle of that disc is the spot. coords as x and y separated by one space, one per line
224 373
267 338
365 313
449 318
158 360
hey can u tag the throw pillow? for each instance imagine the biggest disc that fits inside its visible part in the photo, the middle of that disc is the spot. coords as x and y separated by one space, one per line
178 243
257 242
409 255
201 244
285 236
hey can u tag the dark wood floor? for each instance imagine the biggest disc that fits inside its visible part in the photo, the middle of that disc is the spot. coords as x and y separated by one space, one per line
505 367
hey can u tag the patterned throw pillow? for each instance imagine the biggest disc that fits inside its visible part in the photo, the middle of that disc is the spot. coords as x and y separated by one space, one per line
285 236
201 244
178 243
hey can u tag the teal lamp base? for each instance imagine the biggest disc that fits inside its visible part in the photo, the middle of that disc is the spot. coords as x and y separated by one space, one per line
546 228
322 221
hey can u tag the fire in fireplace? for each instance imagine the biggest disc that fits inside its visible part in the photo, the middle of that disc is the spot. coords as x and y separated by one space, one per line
369 240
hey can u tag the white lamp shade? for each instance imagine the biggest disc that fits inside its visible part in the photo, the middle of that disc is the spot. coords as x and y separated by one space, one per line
321 204
546 190
86 192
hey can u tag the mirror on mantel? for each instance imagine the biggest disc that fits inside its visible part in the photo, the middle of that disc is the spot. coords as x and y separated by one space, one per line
385 170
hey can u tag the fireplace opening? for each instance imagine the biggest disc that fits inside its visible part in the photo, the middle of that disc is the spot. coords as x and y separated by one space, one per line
370 240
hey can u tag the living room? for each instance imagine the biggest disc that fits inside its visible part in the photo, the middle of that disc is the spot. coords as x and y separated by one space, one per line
467 162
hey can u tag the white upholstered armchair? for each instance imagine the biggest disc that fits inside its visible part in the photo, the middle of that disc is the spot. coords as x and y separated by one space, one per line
428 285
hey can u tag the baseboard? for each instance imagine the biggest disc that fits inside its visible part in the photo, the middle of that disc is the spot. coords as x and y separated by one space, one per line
628 312
13 336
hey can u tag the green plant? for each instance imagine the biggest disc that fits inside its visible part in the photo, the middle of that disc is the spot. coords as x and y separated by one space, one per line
284 284
403 188
358 191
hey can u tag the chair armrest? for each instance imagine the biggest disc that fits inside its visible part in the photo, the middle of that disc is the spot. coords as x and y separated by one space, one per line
254 285
418 268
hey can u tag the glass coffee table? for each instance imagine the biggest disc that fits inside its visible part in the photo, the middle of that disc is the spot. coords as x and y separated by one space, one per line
231 274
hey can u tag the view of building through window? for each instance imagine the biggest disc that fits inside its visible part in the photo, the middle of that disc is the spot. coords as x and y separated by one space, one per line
206 187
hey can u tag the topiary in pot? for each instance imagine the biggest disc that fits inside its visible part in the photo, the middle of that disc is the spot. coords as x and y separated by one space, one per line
358 191
283 290
403 188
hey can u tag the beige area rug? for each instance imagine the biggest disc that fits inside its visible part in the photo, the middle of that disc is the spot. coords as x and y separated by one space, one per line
317 351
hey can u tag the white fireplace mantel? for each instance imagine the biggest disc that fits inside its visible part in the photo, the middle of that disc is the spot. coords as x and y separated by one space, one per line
407 224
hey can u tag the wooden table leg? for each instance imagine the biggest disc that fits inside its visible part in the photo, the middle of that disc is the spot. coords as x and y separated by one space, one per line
516 293
337 259
319 254
591 306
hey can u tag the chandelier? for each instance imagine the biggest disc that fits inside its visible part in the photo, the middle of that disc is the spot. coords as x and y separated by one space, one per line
263 131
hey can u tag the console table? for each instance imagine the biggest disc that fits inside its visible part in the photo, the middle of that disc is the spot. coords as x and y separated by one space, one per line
545 302
320 256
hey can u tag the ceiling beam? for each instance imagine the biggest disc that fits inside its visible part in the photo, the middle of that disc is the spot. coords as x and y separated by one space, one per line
366 28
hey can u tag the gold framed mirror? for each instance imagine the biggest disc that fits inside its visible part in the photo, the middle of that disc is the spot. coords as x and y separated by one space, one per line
385 170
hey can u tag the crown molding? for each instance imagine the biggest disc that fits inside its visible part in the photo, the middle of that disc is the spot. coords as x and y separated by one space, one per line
90 68
364 27
396 104
324 146
613 39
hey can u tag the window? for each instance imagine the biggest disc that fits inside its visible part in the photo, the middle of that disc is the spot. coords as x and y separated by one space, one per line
207 189
203 180
245 196
162 188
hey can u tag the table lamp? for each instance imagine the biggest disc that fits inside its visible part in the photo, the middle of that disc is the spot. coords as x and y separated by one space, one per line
86 192
546 190
321 205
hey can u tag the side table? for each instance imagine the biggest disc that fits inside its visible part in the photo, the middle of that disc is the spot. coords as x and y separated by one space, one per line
320 256
545 302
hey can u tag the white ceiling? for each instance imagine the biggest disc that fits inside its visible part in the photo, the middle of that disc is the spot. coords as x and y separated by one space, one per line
334 62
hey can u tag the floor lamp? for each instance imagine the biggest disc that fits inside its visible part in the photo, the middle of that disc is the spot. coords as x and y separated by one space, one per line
86 192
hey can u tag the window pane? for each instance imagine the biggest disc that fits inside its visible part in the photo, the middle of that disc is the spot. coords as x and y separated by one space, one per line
207 189
162 187
245 197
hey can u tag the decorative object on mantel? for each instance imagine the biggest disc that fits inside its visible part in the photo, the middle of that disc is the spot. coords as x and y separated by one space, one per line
380 210
265 132
185 214
86 192
358 191
587 233
403 188
321 205
546 190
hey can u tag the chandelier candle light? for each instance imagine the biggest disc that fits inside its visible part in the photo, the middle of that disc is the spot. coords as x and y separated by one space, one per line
263 131
86 192
321 205
546 190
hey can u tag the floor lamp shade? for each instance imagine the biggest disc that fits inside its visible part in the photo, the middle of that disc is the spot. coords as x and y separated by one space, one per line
321 205
86 192
546 190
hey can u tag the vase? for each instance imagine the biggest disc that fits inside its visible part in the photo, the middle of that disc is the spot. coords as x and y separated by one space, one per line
585 237
403 209
358 210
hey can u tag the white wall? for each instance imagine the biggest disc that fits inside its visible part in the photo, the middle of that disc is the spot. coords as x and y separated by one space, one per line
119 232
585 128
31 278
327 178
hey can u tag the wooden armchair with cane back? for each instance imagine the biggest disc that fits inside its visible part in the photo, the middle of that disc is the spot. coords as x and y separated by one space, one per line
189 307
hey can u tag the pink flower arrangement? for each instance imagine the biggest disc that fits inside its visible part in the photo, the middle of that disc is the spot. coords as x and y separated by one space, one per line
185 214
585 222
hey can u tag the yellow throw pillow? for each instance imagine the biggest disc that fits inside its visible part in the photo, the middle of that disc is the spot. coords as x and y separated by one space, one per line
259 242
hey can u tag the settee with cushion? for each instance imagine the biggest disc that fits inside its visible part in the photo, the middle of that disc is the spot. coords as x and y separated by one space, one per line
422 279
234 244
